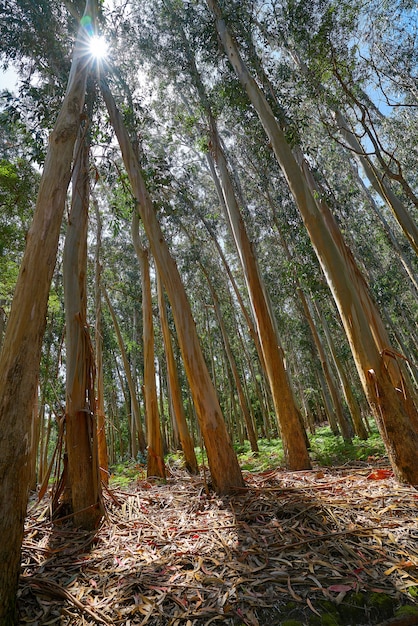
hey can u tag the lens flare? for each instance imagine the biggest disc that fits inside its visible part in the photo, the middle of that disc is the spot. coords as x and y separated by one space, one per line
98 47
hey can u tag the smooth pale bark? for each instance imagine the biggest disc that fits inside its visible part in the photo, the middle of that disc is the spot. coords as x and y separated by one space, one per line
379 370
182 430
20 357
83 479
100 408
129 378
223 463
155 457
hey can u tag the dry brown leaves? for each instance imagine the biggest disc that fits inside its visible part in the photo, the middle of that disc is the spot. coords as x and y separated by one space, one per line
172 554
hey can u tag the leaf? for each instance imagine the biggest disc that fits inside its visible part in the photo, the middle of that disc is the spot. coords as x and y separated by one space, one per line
380 474
339 588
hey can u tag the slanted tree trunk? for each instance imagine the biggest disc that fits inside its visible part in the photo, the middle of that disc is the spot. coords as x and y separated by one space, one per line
353 406
334 392
223 462
129 378
232 363
20 357
379 182
182 430
290 423
80 414
379 370
155 458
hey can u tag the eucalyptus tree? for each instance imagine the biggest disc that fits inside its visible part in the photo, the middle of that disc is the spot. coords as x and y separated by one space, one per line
137 429
103 459
379 371
225 471
180 422
83 481
20 356
294 442
155 456
336 78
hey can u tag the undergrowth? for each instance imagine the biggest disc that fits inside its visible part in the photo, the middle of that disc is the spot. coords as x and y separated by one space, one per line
326 450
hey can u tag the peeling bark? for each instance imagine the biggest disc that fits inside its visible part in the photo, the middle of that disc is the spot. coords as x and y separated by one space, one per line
20 357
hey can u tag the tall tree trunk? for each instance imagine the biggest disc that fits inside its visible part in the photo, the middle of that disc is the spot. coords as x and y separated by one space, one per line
100 408
353 406
174 388
345 428
80 415
129 378
223 463
290 423
246 314
155 458
234 369
379 370
20 357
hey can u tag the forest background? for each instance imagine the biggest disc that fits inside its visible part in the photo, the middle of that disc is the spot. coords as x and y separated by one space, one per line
237 258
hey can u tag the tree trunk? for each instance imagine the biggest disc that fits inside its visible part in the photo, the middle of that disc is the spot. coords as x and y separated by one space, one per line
155 458
132 391
379 182
334 392
225 471
80 415
174 387
234 369
353 406
290 424
379 371
20 357
100 408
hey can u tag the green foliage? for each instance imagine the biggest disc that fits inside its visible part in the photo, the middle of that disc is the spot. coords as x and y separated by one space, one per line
270 455
124 474
408 610
18 186
329 450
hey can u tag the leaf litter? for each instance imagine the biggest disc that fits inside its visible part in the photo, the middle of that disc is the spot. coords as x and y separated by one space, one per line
175 554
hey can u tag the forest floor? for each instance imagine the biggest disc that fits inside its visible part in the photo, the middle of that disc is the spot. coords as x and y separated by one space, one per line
322 547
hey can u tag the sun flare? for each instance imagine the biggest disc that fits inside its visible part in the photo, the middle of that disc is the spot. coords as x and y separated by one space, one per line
98 47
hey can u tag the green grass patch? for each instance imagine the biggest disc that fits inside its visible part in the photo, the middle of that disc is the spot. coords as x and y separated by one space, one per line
328 449
124 474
